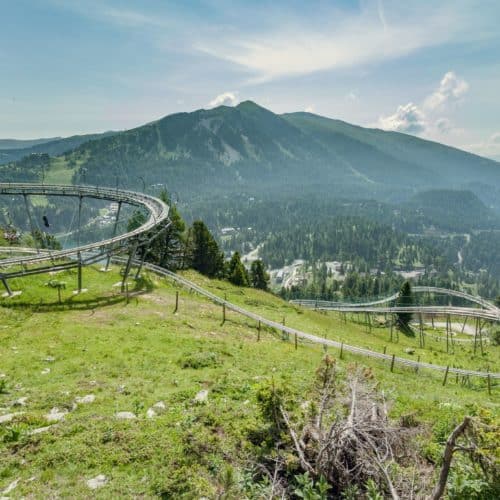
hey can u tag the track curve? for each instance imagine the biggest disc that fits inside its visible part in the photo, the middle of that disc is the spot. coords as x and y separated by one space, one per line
157 214
488 311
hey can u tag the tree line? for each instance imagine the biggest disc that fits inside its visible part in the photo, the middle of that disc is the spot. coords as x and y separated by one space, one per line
178 246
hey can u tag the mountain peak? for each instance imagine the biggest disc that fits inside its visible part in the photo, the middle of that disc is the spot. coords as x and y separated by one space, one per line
251 105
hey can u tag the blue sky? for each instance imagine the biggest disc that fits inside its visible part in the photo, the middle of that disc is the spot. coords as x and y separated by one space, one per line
430 68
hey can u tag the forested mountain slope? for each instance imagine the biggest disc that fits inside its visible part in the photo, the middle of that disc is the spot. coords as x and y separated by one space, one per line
248 148
17 150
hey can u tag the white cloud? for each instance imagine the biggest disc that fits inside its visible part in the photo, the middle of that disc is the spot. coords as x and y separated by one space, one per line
490 147
309 109
408 119
224 99
451 89
414 119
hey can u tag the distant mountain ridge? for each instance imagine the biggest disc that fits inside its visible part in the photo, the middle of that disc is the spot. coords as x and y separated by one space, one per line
24 143
247 148
53 147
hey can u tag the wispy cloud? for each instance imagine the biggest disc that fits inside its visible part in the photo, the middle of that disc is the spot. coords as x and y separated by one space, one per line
342 40
132 18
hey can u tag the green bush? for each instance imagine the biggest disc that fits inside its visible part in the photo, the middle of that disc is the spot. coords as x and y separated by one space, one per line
200 360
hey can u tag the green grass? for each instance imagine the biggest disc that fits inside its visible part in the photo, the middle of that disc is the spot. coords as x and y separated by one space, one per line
59 172
133 353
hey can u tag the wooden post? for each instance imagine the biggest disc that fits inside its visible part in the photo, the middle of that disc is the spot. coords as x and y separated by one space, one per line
475 336
341 350
481 336
79 285
447 336
392 362
258 332
446 375
176 301
421 323
126 291
223 312
296 342
489 384
385 349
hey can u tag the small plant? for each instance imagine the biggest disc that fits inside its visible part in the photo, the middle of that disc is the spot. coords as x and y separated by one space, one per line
3 386
308 489
138 406
200 360
351 492
372 491
11 435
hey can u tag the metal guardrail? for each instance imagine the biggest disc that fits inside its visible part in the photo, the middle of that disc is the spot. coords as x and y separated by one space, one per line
313 338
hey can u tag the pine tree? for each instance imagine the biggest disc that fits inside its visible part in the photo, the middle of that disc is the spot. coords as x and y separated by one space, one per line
167 250
405 299
236 272
258 275
204 254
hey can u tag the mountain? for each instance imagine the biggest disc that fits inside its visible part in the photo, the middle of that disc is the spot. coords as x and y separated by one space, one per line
14 150
23 143
248 148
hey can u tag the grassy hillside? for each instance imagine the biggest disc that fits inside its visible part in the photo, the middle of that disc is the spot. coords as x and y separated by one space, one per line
132 354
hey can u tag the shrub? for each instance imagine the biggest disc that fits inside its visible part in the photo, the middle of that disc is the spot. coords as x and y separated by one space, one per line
200 360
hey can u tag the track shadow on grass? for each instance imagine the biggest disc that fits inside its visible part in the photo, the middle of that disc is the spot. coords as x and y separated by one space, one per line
76 302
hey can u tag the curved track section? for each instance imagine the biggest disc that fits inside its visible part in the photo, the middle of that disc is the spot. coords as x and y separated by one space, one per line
157 214
56 260
325 304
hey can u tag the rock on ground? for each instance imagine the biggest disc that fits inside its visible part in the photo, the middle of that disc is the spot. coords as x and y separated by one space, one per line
201 397
125 415
160 405
97 482
8 417
40 430
89 398
10 487
55 415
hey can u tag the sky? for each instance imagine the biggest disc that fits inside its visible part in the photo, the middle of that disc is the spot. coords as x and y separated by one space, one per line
427 68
